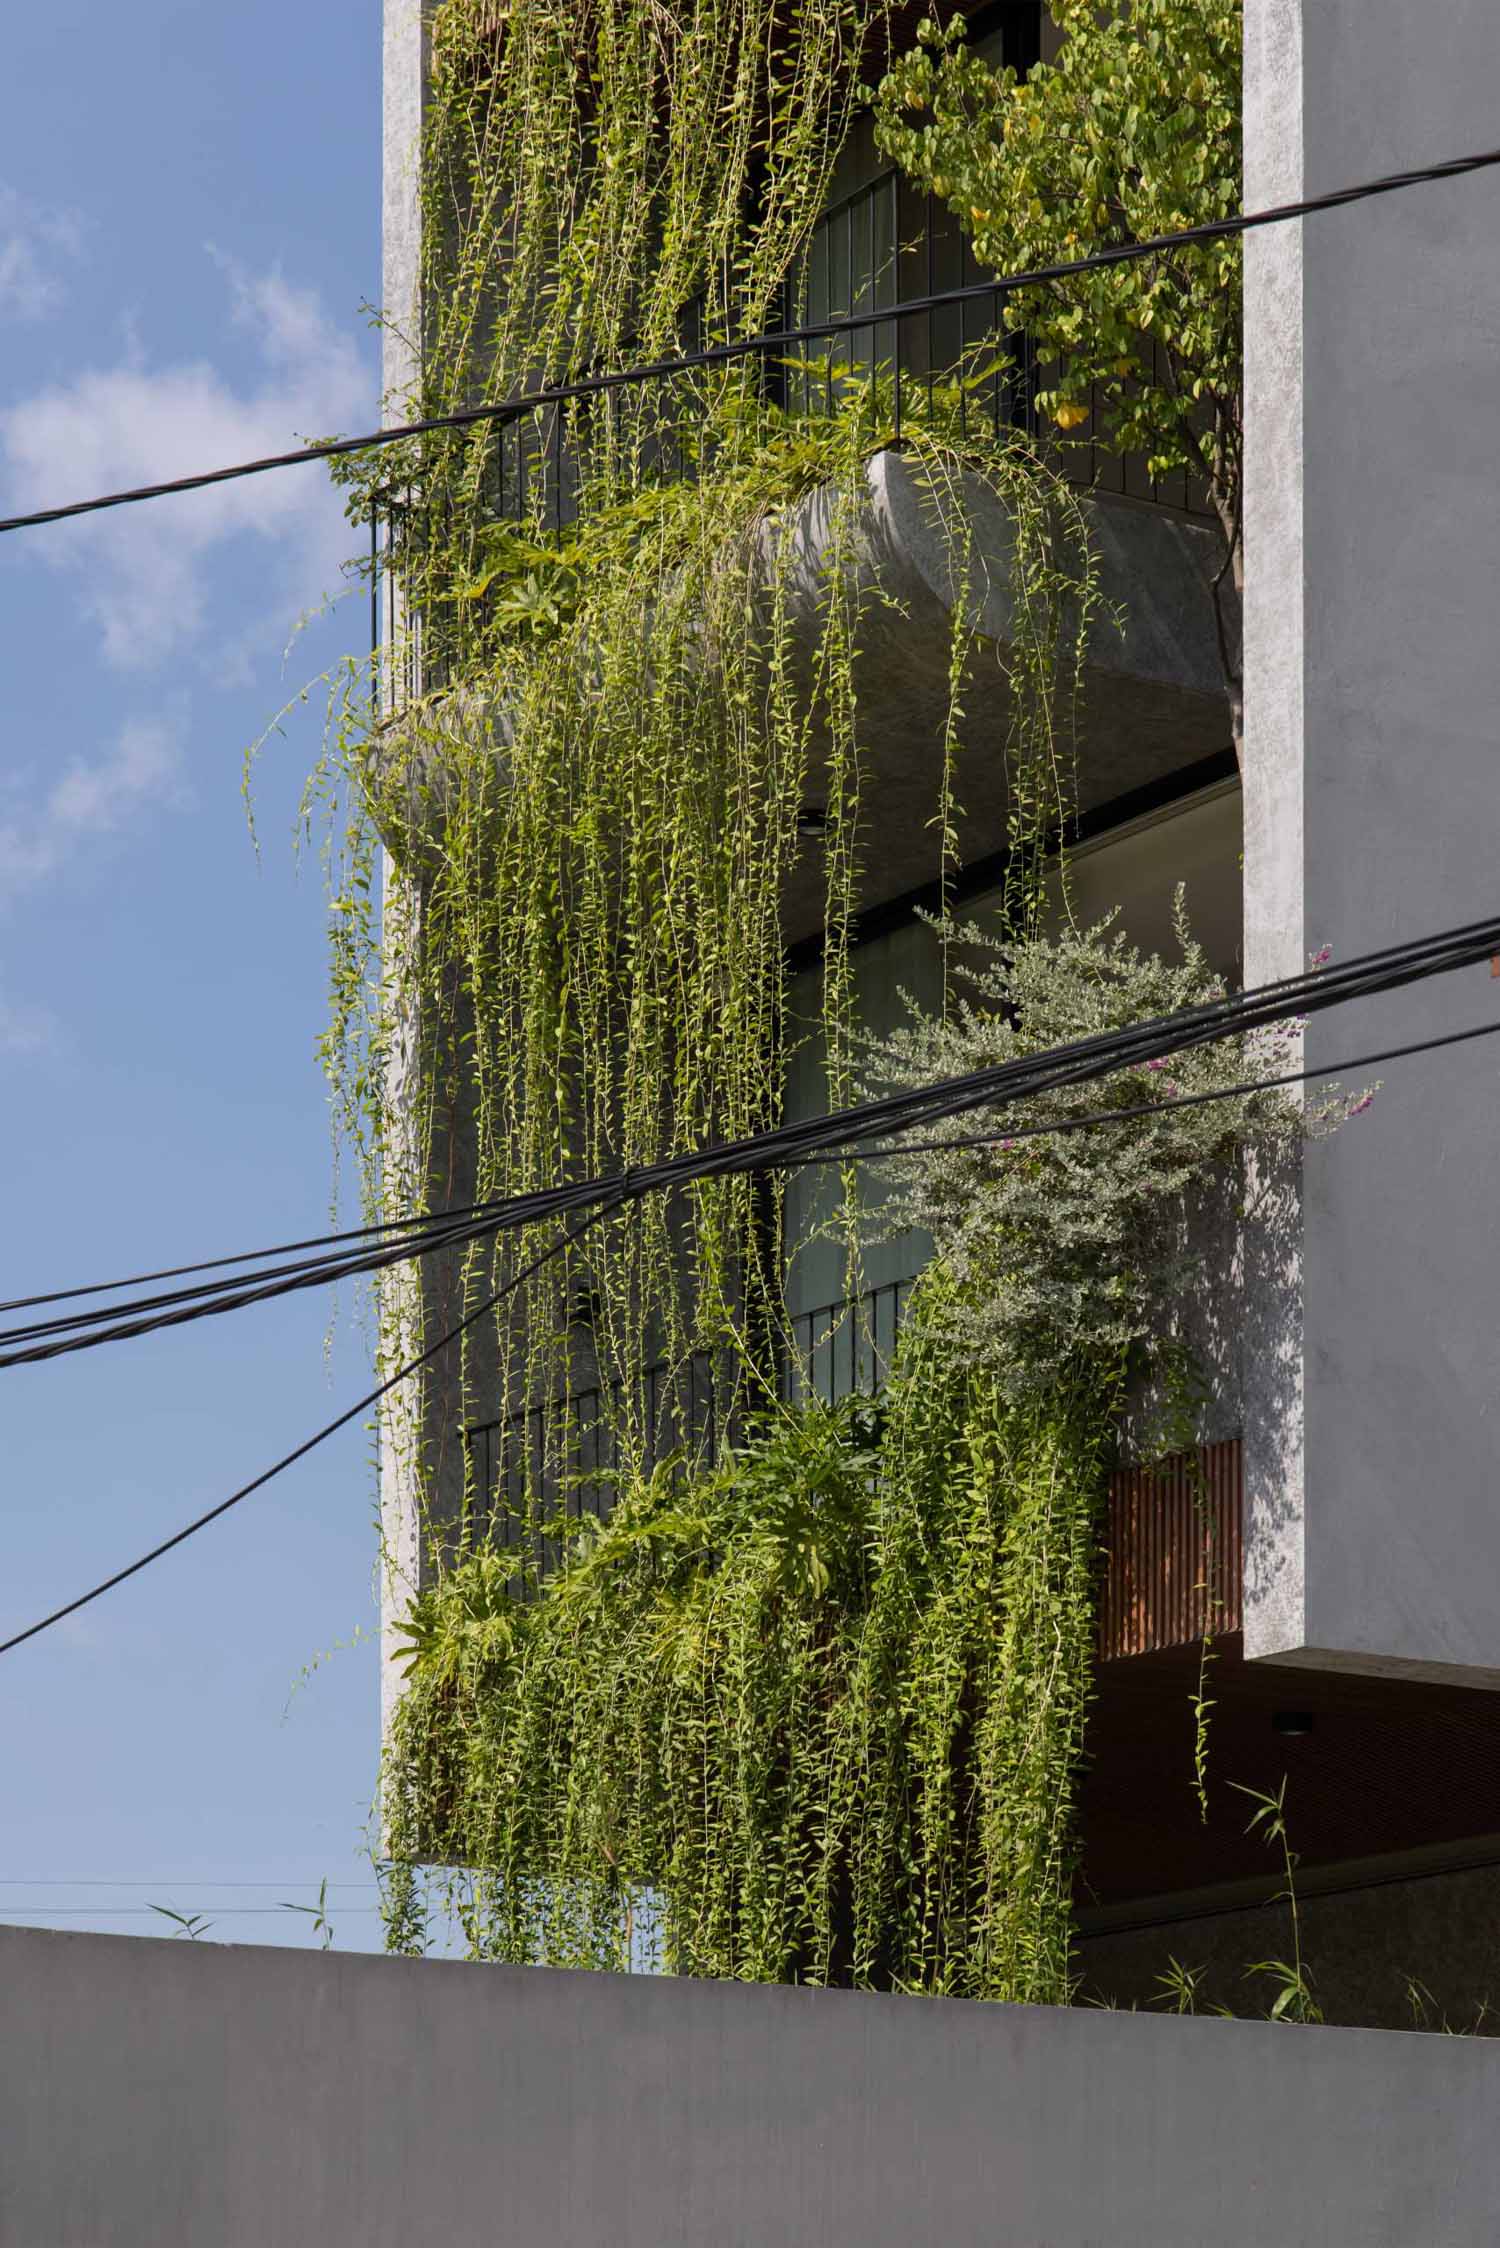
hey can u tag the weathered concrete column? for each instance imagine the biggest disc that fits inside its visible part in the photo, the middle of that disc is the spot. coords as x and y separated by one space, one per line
404 94
1372 814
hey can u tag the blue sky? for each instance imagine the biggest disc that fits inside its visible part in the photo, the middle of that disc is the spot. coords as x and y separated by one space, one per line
189 225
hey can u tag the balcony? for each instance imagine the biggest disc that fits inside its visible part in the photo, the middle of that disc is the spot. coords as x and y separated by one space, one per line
1172 1533
567 1447
889 303
890 293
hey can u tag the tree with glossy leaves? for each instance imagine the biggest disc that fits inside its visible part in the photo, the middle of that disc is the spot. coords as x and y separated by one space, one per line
1132 131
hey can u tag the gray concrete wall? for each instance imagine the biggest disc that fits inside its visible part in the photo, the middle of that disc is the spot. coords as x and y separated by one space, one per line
155 2093
1372 814
1381 1953
403 102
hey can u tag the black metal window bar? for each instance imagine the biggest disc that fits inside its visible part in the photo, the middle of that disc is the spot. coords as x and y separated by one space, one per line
565 1448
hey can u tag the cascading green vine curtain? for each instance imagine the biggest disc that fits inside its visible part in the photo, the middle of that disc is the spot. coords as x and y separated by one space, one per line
818 1713
639 664
814 1710
813 1718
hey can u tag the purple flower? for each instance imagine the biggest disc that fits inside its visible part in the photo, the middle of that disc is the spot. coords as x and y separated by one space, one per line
1321 958
1357 1108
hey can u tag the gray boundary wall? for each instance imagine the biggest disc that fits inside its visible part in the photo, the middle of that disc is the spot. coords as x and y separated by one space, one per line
160 2094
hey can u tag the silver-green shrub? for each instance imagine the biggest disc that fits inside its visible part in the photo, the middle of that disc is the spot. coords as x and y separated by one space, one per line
1064 1247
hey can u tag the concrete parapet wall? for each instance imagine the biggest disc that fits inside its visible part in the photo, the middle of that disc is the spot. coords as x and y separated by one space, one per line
154 2092
1381 1952
1151 700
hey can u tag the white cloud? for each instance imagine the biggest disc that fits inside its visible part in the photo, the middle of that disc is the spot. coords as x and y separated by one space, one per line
92 797
146 573
26 1030
34 243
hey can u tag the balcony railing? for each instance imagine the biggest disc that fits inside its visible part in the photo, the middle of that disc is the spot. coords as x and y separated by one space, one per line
1172 1531
567 1449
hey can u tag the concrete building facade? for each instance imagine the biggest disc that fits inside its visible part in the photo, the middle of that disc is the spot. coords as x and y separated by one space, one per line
1358 1345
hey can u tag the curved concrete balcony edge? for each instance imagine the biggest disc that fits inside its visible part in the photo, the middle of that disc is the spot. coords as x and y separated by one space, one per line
1151 699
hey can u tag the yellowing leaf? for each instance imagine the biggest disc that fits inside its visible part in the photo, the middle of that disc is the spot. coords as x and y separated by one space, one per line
1070 416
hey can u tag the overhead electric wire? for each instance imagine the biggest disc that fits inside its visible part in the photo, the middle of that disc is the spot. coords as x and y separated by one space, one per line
83 1330
135 1881
141 1912
240 1257
309 1444
1007 284
1008 1135
838 1137
306 1273
1082 1061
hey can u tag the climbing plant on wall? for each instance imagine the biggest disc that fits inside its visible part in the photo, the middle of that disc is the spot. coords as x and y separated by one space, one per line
818 1713
636 640
813 1710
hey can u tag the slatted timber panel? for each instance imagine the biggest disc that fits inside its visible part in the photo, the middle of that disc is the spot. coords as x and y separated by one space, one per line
1173 1551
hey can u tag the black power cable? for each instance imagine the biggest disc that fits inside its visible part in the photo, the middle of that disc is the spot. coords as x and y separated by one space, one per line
310 1444
241 1257
1143 1111
1395 967
82 1330
837 1137
1456 167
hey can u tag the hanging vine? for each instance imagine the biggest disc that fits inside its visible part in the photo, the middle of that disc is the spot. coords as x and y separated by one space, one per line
817 1713
813 1710
637 639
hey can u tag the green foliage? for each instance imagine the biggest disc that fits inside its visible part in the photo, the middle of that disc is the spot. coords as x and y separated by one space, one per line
193 1925
317 1914
600 817
1180 1988
460 1619
1078 1243
1134 131
811 1716
1289 1978
815 1712
594 808
1427 2014
613 151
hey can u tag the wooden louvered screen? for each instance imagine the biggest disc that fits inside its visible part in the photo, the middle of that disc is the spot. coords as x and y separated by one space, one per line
1173 1540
